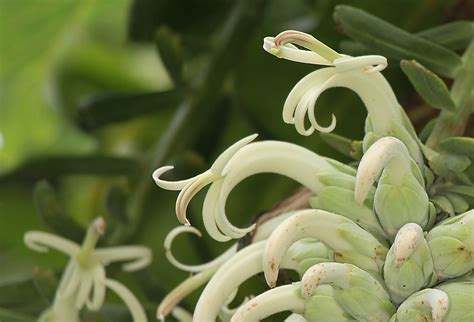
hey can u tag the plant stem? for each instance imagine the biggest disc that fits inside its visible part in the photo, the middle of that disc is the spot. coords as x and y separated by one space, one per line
454 123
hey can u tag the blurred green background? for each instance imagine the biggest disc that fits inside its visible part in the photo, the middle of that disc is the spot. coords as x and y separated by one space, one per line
96 94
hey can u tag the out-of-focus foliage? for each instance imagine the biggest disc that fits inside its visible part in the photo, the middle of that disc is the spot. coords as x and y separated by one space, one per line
96 94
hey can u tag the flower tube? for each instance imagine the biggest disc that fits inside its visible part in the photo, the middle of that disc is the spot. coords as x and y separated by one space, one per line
360 74
426 305
400 196
452 245
279 299
355 290
408 266
349 242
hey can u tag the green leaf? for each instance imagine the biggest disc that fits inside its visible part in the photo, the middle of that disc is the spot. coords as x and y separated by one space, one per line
454 35
12 316
52 213
442 203
338 142
428 85
98 111
388 40
83 165
458 145
171 53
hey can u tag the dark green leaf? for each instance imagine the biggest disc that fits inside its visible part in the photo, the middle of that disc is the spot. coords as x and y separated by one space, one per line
338 142
458 145
454 35
52 213
393 42
37 288
105 109
169 47
428 85
83 165
427 129
12 316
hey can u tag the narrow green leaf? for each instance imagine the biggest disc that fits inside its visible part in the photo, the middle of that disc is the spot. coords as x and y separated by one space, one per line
428 85
82 165
338 142
52 213
12 316
101 110
393 42
462 190
458 145
454 35
427 129
443 204
35 289
169 47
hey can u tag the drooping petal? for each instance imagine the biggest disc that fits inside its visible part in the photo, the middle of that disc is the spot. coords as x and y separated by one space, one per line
349 242
182 290
281 158
279 299
356 291
388 152
194 268
139 256
135 308
41 242
243 265
291 52
84 290
428 304
95 302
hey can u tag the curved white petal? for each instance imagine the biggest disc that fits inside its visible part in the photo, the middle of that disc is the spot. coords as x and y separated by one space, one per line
209 212
294 317
140 256
182 290
282 158
368 63
291 52
307 41
243 265
182 315
171 185
84 290
310 82
406 241
95 302
222 160
319 224
439 303
372 88
138 314
282 298
41 241
72 283
188 192
193 268
386 152
336 274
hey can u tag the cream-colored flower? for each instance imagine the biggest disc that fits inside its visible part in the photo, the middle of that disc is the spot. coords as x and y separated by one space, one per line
84 281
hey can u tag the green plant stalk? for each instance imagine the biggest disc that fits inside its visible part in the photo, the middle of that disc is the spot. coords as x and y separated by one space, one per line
192 112
454 123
